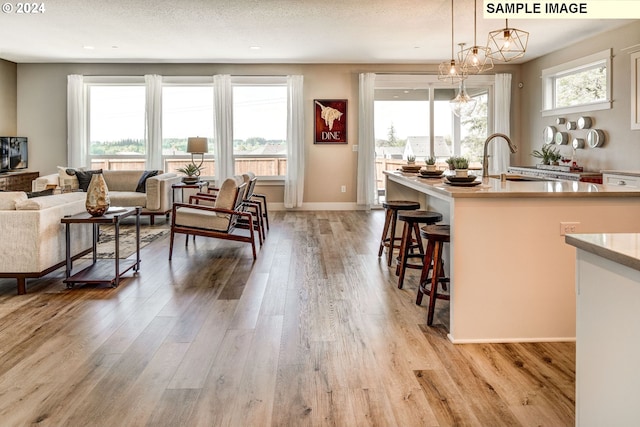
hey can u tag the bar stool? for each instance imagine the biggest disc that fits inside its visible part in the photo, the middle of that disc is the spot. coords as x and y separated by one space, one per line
437 236
411 240
392 207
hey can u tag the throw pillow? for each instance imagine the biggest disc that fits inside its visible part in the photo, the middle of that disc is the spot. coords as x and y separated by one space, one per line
31 194
66 180
142 182
84 177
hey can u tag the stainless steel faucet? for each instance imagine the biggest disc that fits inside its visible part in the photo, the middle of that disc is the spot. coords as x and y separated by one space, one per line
485 156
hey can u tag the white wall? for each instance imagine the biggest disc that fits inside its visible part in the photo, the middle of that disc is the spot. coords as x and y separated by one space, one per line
622 150
8 103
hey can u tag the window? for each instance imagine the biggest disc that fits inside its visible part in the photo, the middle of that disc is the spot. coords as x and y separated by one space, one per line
259 127
412 115
116 126
187 110
577 86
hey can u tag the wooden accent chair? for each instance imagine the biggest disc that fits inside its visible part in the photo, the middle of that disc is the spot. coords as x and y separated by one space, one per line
248 203
219 221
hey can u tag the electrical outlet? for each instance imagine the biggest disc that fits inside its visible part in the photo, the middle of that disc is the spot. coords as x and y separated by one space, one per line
568 227
343 189
355 147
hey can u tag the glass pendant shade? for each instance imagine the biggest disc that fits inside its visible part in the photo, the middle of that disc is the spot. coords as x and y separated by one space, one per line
462 105
507 44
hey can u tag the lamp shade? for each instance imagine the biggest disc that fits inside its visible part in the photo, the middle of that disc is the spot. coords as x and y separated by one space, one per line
197 145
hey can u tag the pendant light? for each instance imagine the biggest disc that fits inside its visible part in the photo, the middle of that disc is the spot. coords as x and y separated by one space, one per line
462 105
476 59
507 44
451 71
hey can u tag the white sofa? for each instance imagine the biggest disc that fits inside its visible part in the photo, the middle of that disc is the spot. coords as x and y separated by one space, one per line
157 199
33 238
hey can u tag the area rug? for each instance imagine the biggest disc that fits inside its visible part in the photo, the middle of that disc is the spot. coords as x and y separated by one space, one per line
106 244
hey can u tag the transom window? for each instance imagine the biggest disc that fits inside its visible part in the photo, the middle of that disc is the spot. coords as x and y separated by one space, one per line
577 86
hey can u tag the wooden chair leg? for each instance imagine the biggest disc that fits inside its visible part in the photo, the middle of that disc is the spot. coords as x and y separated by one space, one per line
404 249
392 237
385 231
171 245
428 259
435 275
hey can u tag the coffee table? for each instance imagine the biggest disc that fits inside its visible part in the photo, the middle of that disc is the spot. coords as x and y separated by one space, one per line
102 270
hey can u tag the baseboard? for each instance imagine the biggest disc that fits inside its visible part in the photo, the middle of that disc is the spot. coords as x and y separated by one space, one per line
509 340
317 207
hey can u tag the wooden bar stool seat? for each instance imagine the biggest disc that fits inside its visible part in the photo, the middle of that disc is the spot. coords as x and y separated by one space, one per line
389 239
411 240
436 235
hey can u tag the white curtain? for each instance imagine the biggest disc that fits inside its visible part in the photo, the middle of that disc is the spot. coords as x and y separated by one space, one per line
77 154
366 194
223 126
153 124
294 179
498 149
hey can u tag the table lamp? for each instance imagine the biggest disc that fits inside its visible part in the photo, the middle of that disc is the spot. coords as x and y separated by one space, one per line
197 145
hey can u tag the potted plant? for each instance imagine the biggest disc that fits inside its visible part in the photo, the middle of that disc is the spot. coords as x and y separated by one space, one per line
431 163
461 165
547 154
451 162
192 173
411 159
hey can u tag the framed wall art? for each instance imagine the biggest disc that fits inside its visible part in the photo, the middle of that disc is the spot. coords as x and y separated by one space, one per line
330 124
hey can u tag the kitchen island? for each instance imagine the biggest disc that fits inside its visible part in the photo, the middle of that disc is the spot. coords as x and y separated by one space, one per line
512 275
608 341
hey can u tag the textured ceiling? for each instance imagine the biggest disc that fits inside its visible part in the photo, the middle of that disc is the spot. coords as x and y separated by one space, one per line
300 31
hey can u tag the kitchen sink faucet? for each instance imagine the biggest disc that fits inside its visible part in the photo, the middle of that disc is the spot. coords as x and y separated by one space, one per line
485 156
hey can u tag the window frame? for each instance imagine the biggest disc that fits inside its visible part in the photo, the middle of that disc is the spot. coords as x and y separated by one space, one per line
550 75
275 80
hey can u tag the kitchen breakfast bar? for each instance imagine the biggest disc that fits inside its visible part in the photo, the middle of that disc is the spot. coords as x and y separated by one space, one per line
512 275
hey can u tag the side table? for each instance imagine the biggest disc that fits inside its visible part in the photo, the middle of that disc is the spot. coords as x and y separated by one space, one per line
102 270
182 186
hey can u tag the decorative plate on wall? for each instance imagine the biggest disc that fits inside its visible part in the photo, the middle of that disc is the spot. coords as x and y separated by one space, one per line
584 122
571 125
562 138
577 143
548 134
595 138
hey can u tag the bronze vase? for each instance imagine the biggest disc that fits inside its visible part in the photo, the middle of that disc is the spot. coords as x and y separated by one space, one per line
97 196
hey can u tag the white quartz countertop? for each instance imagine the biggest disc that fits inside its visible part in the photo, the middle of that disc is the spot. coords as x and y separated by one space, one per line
622 248
494 188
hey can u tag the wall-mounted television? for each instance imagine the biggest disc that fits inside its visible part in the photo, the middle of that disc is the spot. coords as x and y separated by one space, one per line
14 153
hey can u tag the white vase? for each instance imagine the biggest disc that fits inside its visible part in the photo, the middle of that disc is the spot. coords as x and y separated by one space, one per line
462 172
431 168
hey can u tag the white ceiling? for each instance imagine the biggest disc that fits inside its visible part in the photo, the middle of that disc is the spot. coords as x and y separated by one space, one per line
287 31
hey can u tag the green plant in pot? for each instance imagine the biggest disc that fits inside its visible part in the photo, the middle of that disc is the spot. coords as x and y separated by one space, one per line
461 165
192 173
431 163
547 154
411 159
451 162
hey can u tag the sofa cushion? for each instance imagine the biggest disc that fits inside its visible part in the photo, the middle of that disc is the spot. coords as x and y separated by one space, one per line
45 202
66 180
227 194
8 199
127 198
142 182
84 177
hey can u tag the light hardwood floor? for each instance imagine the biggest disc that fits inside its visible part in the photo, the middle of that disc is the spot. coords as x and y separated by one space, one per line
314 333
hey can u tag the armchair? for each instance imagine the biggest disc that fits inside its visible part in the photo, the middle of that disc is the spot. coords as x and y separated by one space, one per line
219 221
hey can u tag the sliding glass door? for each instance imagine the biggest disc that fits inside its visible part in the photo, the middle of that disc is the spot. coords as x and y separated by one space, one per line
412 116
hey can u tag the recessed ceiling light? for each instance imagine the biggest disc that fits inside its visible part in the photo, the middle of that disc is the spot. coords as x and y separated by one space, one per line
88 47
254 47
